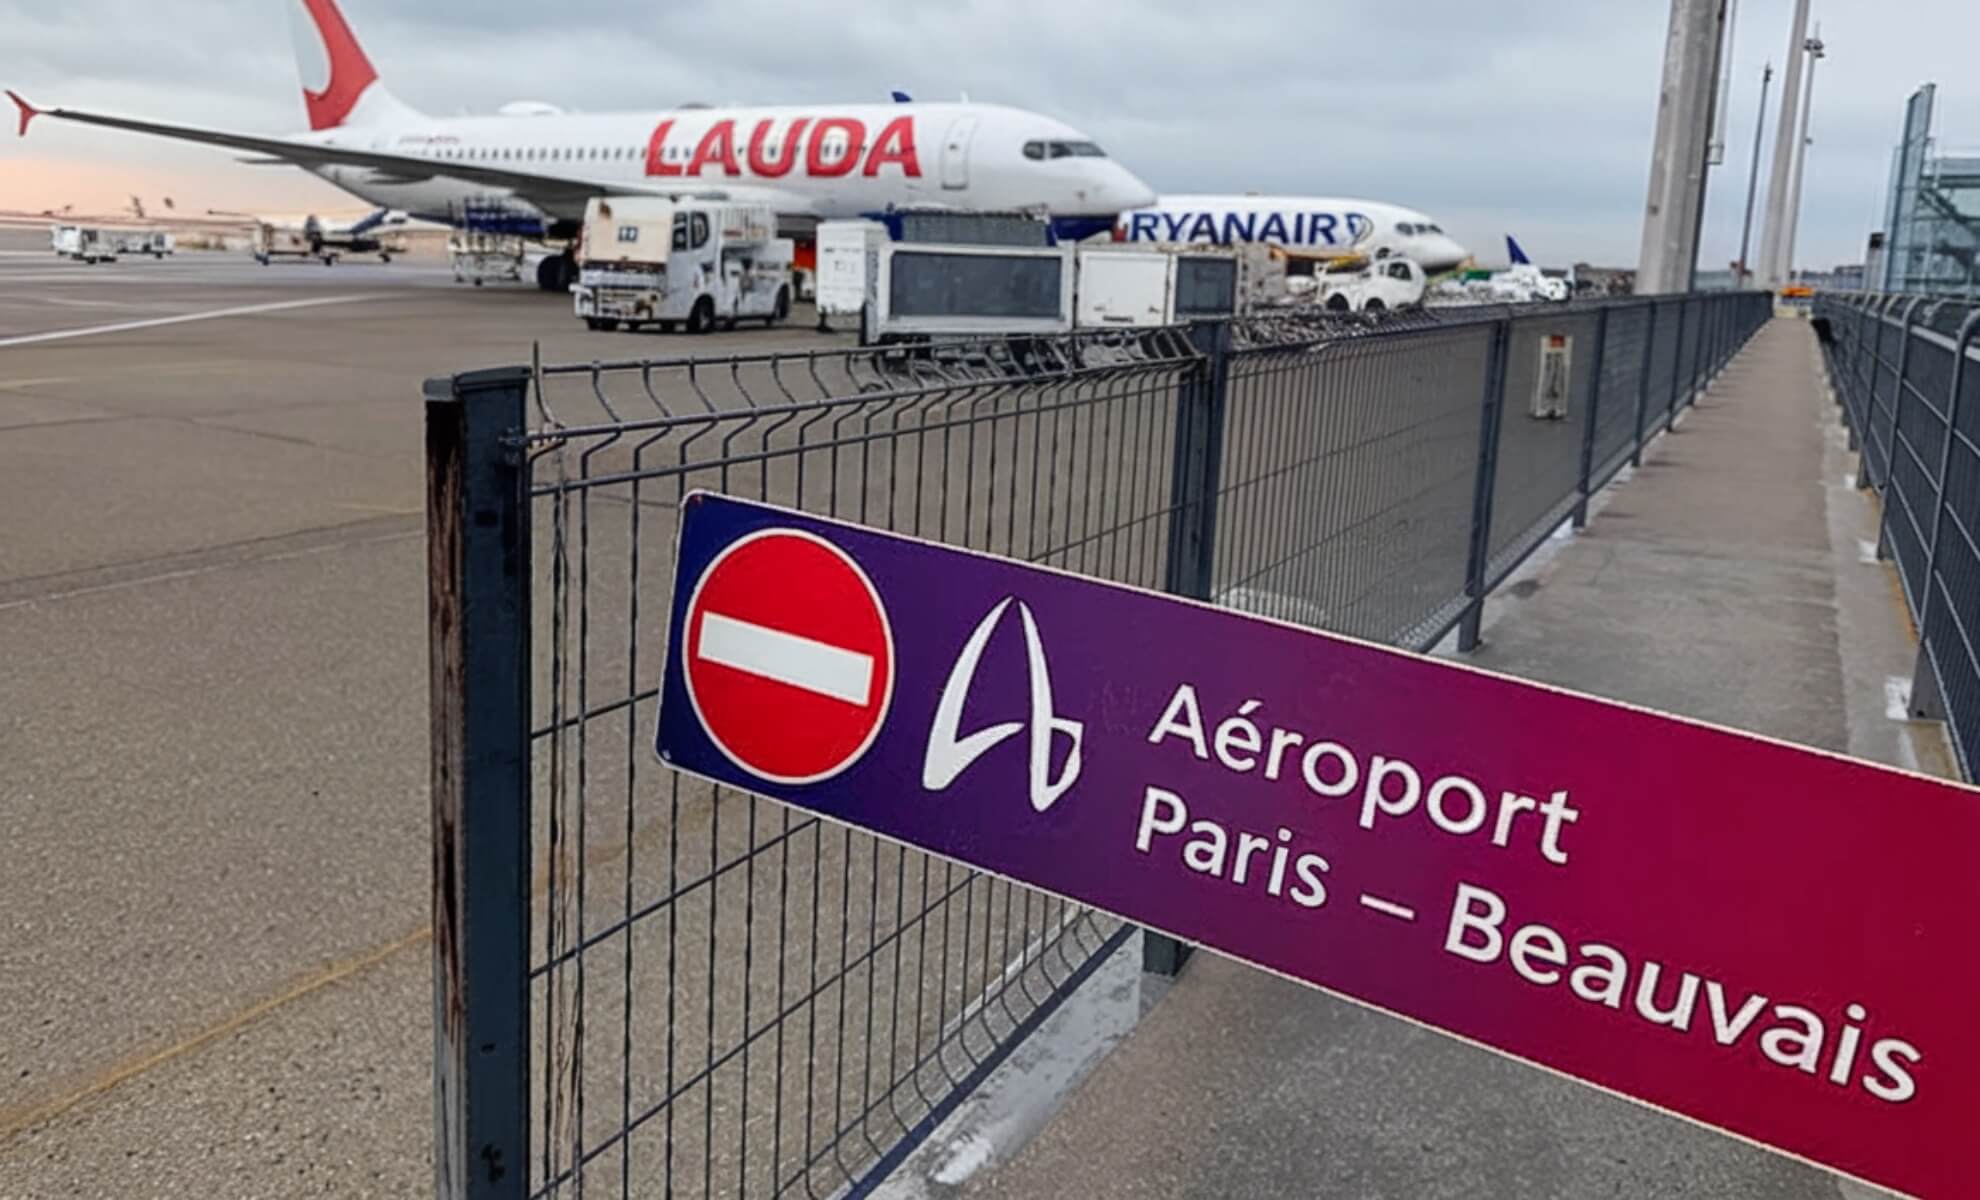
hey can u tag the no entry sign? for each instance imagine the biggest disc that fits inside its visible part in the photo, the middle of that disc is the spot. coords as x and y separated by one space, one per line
789 662
1773 941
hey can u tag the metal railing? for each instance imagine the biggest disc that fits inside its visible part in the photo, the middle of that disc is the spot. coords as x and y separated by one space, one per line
647 985
1906 370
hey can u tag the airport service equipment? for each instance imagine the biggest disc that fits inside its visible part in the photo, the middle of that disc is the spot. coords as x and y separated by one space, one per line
155 242
85 244
1133 288
921 291
845 266
645 260
1358 285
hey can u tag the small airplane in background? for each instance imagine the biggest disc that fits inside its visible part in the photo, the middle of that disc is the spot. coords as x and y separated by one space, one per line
805 161
313 237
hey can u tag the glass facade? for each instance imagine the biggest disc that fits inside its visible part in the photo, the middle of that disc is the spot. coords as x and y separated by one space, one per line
1932 217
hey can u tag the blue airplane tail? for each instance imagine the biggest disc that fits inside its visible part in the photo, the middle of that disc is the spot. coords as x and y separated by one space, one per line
901 97
1518 255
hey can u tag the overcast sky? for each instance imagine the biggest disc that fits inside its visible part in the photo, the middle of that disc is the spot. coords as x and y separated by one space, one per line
1528 116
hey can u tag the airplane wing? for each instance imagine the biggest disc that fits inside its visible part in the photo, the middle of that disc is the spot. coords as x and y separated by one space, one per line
558 195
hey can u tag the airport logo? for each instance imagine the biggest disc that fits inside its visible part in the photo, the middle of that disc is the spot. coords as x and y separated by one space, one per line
950 752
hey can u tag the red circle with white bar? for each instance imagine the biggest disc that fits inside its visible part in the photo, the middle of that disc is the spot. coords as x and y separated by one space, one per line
788 656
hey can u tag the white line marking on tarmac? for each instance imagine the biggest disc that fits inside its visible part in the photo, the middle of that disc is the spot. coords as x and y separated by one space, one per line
209 315
1387 908
787 658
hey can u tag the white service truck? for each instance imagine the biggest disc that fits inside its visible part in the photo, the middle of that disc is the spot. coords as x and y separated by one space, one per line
1137 289
1361 285
655 260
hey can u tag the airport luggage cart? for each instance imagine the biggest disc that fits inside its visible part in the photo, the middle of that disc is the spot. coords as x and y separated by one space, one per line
488 240
479 257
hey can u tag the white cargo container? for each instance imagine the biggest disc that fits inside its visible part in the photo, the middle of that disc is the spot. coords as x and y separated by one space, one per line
845 266
932 289
647 260
155 242
1135 289
94 245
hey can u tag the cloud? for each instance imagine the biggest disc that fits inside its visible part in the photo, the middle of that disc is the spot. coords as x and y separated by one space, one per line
1531 117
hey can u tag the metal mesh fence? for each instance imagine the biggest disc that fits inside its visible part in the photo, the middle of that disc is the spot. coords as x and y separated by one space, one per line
1347 480
1545 423
1626 341
732 999
1907 375
648 985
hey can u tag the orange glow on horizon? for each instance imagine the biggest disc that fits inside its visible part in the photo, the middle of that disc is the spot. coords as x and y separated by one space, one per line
33 184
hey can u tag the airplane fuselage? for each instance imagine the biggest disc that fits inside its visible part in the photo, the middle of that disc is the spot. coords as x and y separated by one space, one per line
1321 225
837 161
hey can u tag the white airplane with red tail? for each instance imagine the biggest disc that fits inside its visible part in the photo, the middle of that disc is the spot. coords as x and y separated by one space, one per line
535 166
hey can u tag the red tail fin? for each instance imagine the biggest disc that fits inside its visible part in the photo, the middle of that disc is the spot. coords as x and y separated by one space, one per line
350 71
28 111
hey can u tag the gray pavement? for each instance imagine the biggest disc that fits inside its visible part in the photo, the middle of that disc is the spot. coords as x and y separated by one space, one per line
213 974
1723 581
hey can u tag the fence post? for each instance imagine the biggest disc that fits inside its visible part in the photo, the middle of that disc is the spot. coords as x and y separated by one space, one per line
1594 414
1897 423
1491 415
1927 700
1863 480
1854 365
1643 386
1677 368
477 547
1193 482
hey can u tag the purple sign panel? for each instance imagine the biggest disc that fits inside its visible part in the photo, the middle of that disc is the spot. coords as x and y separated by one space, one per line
1776 942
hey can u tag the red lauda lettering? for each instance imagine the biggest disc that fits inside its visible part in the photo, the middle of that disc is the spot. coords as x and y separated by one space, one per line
814 158
656 146
769 168
718 145
895 145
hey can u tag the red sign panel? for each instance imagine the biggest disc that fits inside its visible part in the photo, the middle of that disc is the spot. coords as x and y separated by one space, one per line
789 658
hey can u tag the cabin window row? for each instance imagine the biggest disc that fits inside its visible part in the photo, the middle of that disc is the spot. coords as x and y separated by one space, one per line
835 148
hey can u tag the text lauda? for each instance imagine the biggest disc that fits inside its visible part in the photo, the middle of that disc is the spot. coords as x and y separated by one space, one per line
825 147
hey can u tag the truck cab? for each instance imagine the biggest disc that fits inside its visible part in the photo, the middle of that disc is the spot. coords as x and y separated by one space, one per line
646 260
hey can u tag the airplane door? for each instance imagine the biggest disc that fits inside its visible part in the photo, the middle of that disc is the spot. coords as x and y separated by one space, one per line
955 153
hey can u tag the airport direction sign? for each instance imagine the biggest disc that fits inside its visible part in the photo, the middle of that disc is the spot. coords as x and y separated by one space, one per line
1776 942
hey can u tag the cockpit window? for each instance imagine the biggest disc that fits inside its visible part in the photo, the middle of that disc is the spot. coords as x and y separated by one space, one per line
1044 150
1405 228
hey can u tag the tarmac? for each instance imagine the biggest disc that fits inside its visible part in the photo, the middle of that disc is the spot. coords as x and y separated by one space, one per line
1728 580
215 978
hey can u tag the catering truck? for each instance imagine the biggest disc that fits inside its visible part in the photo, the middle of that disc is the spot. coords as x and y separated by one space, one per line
654 260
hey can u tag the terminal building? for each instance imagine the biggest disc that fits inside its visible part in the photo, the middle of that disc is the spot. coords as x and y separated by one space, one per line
1931 236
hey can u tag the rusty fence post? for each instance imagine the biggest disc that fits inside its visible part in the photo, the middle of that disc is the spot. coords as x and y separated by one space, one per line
478 657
